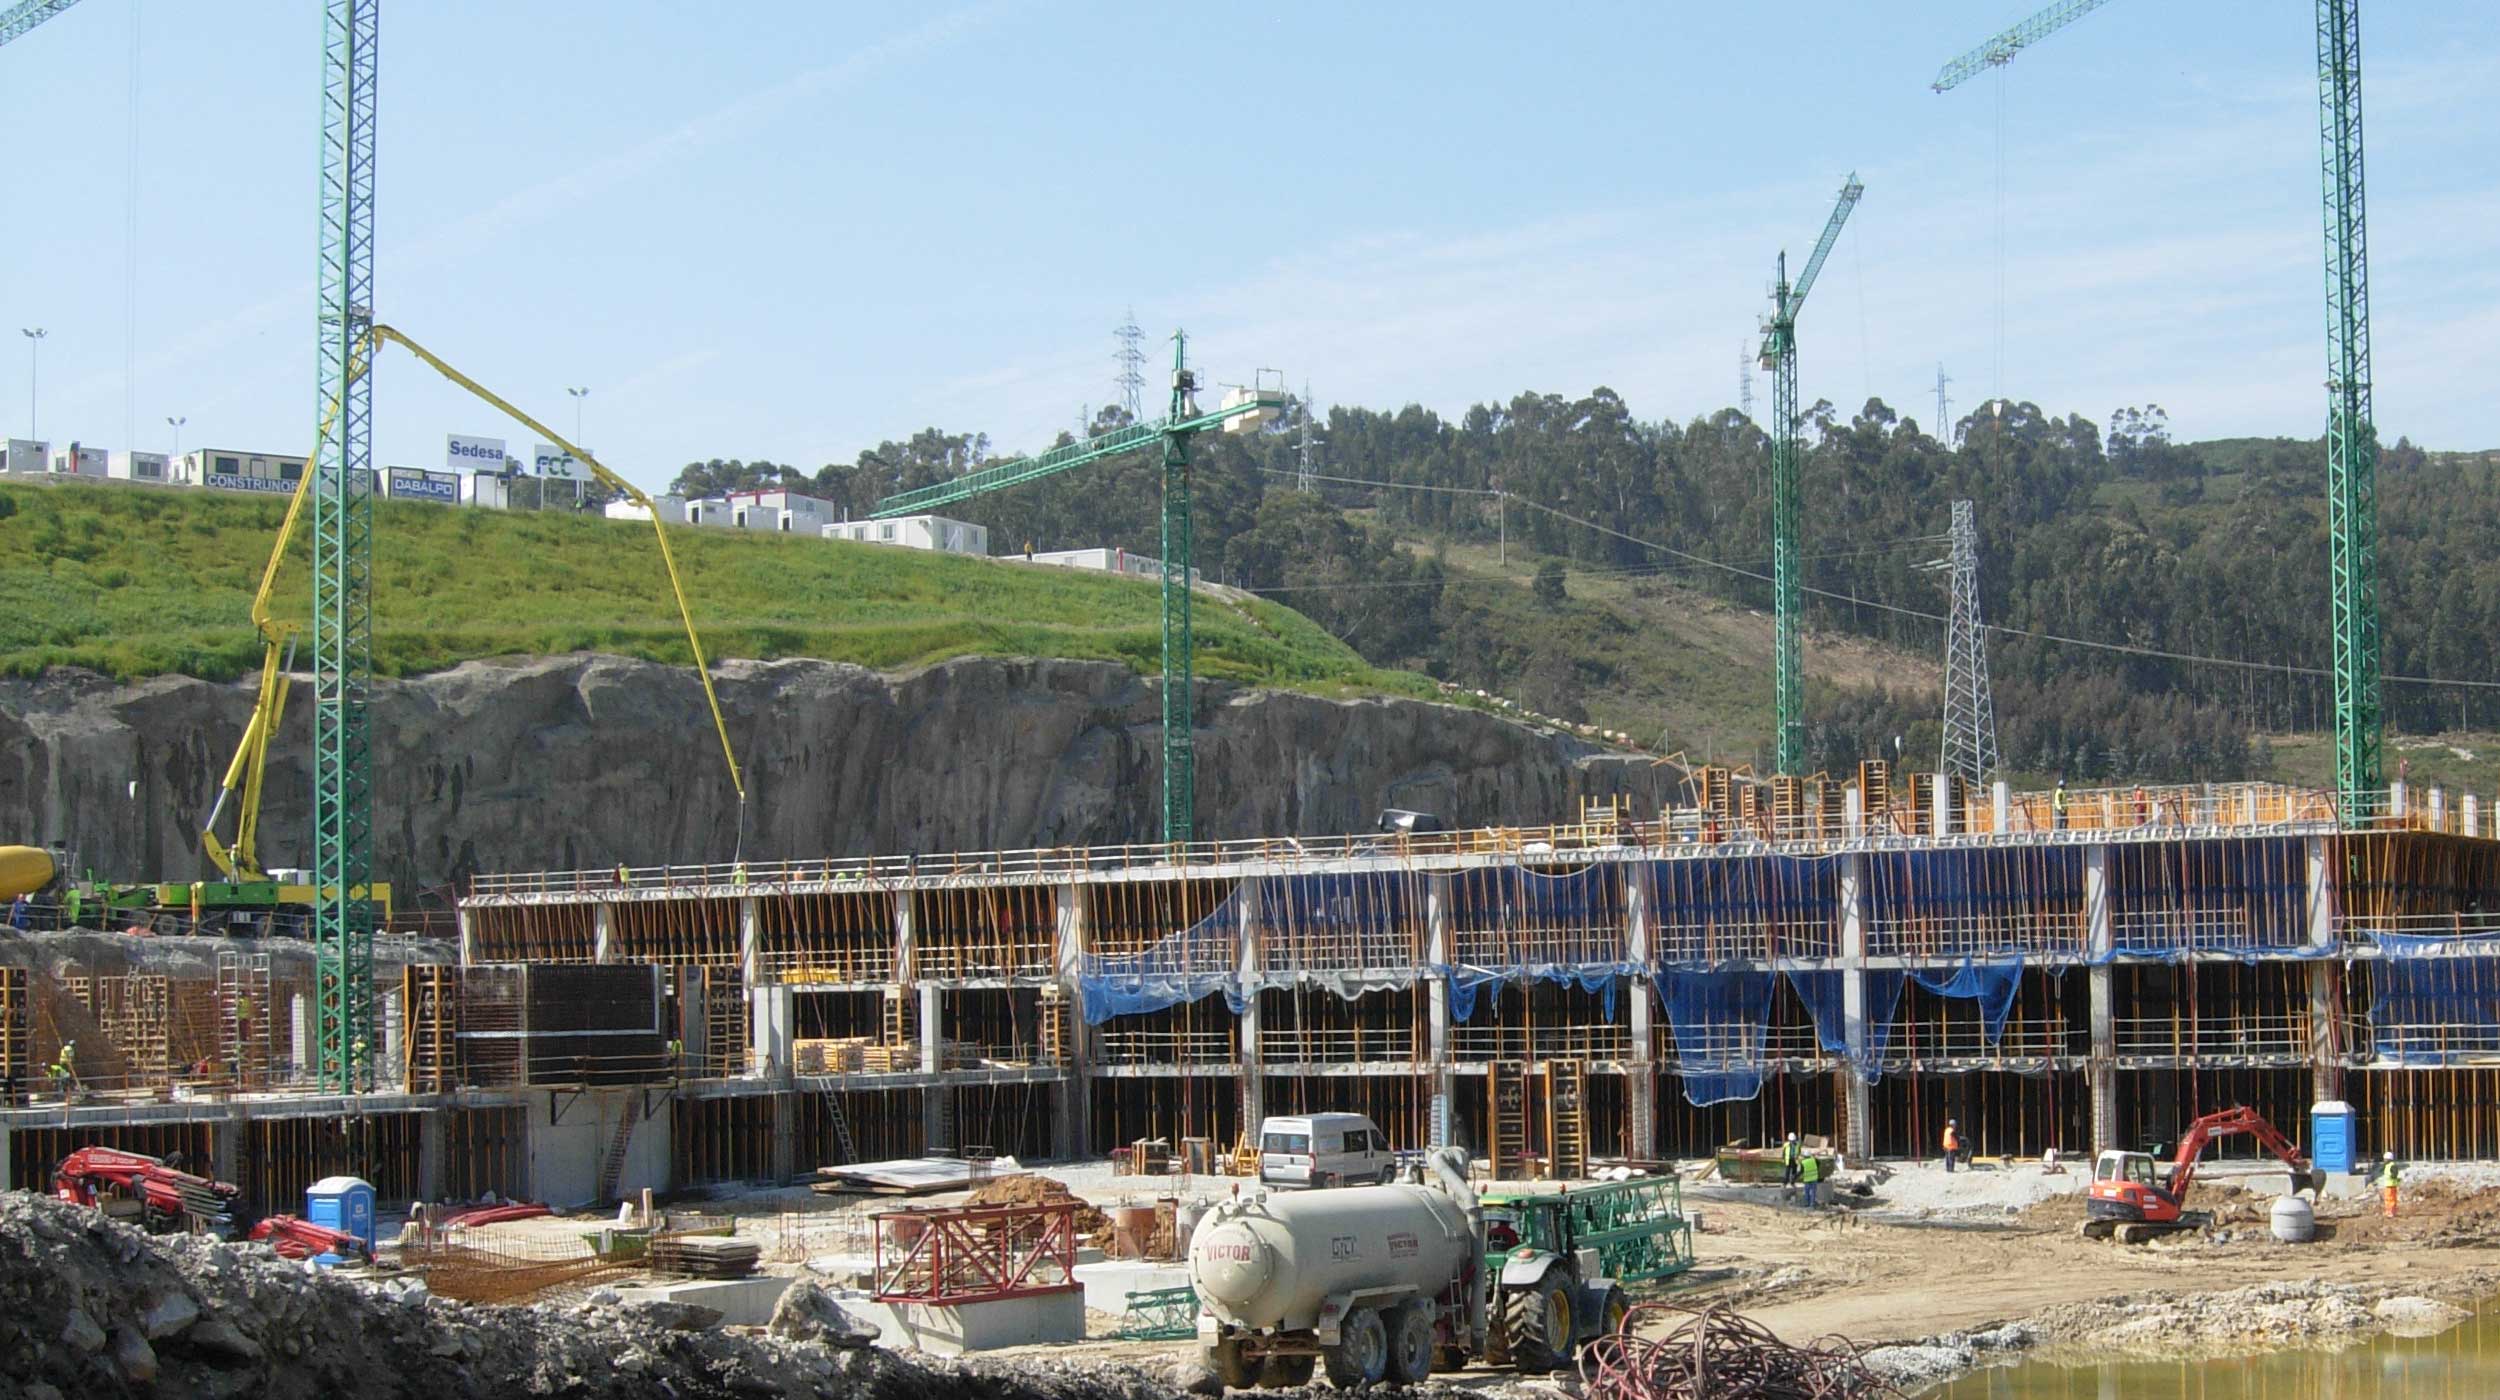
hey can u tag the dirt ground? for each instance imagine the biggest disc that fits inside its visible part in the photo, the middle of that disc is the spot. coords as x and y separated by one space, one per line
1874 1278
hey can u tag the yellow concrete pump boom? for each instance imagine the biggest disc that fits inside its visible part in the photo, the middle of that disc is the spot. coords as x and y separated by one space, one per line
240 860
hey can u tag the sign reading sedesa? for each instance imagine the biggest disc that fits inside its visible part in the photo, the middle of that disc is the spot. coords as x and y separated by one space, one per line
418 484
474 454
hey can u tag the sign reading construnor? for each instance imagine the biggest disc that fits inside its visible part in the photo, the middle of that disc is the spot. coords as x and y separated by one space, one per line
472 454
550 461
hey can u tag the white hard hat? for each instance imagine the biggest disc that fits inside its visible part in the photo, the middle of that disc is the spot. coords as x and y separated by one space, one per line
2387 1156
1792 1137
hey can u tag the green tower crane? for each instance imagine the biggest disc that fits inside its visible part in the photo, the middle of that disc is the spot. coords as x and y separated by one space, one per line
2001 48
1241 411
1779 355
2351 441
19 18
342 558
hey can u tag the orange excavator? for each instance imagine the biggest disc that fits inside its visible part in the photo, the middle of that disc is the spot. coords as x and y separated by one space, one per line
2125 1201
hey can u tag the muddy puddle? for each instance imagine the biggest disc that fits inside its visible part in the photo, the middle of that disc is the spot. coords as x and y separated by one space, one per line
2462 1363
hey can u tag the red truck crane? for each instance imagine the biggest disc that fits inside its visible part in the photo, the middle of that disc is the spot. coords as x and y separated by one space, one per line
2126 1201
294 1237
134 1186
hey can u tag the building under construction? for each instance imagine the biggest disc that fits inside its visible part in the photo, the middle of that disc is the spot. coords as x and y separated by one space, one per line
1863 959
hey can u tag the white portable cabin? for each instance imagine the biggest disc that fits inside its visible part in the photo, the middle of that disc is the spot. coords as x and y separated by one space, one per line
74 460
487 490
27 455
224 469
931 532
672 510
153 468
786 512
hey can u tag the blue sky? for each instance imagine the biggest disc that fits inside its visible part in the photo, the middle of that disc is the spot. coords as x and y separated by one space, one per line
791 230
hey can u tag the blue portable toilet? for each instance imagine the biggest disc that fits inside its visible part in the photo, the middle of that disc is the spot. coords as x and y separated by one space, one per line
2332 1144
343 1203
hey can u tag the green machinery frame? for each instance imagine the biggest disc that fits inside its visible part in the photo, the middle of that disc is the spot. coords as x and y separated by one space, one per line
1779 355
1180 800
342 559
1638 1227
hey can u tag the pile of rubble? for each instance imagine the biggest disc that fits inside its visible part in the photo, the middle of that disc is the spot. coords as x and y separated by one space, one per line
90 1308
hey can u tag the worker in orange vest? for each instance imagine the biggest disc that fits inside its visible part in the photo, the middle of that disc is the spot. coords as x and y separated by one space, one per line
1952 1142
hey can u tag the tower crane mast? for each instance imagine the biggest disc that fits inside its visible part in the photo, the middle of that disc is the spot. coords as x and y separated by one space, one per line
1779 355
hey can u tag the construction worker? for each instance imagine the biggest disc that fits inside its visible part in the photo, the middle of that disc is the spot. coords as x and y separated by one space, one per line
65 1070
2057 804
2386 1181
1788 1163
1810 1171
1952 1142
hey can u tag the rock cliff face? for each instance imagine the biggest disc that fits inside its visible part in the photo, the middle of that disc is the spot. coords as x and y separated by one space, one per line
585 761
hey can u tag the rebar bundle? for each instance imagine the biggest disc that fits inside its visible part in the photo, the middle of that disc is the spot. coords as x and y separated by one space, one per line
1715 1353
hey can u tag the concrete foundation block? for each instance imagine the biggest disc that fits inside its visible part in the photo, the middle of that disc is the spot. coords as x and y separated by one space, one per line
741 1302
952 1330
1108 1284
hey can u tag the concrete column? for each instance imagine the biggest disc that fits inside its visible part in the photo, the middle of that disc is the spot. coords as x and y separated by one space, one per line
2101 1066
1852 811
1642 1085
1940 806
774 1018
603 933
1857 1120
2326 1069
462 916
750 920
906 940
8 1159
785 1138
2439 809
1071 1134
2321 897
1251 969
936 1125
2001 805
225 1156
2468 812
1444 1115
434 1154
2397 799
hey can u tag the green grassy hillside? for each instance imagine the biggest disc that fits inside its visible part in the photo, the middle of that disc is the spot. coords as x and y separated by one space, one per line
136 582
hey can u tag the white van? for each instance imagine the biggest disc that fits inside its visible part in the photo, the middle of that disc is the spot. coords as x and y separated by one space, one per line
1323 1149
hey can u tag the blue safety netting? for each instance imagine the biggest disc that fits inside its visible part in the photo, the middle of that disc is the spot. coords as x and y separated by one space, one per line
2170 900
1510 923
1321 923
1972 902
1720 1016
2433 997
1190 963
1992 983
1744 907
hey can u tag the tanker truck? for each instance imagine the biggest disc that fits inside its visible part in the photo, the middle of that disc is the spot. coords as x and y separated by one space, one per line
1383 1283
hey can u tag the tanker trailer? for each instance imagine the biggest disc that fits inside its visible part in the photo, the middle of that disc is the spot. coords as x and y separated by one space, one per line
1374 1282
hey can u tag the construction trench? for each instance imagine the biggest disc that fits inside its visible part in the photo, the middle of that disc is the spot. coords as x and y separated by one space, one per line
1623 991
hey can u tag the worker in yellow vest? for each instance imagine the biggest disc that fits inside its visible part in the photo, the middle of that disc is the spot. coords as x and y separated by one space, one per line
1788 1163
2386 1182
1810 1171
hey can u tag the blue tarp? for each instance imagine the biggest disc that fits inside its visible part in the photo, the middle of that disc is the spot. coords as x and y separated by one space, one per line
1958 903
2170 900
1719 1016
2427 983
1191 963
1992 984
1729 904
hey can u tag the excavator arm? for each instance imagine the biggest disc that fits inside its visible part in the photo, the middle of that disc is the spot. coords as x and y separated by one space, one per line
2231 1122
240 859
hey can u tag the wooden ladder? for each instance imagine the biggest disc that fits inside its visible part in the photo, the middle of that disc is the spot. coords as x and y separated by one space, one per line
901 1024
1506 1084
1566 1123
1054 1034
